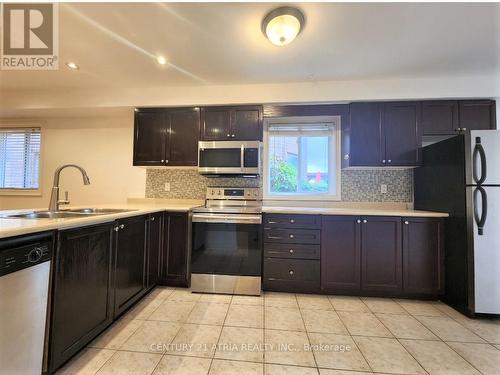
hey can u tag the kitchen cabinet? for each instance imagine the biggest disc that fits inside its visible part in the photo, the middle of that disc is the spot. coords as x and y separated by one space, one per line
166 137
403 133
291 275
82 292
440 117
366 137
176 250
477 114
129 261
237 123
154 247
383 134
381 255
423 256
341 254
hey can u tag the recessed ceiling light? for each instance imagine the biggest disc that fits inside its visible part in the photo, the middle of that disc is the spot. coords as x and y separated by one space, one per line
282 25
161 60
72 65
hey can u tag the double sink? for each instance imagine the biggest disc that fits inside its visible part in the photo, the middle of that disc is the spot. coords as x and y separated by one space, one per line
79 212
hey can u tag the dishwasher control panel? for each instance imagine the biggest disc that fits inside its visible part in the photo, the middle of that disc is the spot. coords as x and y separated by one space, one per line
25 255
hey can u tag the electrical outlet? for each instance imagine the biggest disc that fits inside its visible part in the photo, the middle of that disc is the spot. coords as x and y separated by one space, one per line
383 188
167 186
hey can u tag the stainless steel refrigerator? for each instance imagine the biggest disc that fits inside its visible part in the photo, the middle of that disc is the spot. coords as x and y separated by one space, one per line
461 176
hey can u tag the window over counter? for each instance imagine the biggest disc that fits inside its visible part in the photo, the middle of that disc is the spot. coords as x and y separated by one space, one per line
19 159
302 158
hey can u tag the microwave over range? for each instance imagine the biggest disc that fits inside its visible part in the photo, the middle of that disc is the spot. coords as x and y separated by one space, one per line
230 158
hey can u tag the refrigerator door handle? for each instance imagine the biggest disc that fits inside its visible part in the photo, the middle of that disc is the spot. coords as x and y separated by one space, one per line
480 220
479 152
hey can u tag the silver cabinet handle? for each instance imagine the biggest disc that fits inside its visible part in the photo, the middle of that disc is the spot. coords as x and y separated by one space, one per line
346 157
383 161
290 272
291 251
232 135
365 221
122 226
228 135
464 129
292 236
358 221
116 229
152 218
292 221
406 222
166 161
389 161
163 160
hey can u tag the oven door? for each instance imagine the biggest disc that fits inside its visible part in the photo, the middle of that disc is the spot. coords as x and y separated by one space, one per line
227 244
229 157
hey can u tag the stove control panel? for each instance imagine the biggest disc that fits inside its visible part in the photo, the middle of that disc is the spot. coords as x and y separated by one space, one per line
234 193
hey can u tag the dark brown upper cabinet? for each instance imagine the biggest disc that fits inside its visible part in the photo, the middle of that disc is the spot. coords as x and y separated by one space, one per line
166 136
449 117
367 143
381 254
440 117
384 134
241 123
477 114
403 133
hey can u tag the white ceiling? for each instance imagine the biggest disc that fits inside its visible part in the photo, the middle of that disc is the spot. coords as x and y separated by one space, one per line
221 43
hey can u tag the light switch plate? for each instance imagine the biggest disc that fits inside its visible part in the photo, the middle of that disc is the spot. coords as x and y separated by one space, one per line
167 186
383 188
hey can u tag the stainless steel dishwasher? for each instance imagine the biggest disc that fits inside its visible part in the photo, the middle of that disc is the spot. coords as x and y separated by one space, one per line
24 287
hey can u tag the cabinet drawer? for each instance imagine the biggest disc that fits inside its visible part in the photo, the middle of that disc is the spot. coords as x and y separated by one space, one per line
305 236
291 275
292 221
291 251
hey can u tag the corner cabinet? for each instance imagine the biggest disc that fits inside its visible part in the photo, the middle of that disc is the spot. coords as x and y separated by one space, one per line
166 136
82 298
236 123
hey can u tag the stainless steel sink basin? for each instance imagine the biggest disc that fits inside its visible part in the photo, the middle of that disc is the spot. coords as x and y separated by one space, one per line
98 211
80 212
44 215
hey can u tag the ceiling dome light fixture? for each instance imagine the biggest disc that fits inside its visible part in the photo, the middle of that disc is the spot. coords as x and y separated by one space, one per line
282 25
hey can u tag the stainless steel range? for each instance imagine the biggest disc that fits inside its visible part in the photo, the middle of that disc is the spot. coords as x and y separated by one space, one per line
227 242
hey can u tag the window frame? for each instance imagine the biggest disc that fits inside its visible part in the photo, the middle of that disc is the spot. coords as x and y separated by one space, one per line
334 164
13 125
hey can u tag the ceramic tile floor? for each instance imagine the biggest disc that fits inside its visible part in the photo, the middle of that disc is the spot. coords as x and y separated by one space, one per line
173 331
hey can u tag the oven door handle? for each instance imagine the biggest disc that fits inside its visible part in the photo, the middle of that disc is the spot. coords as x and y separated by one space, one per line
227 219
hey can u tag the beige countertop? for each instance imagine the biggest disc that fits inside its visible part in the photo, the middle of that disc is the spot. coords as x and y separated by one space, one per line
355 211
10 227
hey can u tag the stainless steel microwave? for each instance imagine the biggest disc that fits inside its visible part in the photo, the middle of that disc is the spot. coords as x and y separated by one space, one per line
229 158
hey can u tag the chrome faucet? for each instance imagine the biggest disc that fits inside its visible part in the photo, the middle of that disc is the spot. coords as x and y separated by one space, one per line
54 196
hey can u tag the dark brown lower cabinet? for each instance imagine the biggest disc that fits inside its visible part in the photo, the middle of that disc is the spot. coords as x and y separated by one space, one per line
82 298
423 256
381 255
341 253
176 250
291 275
130 261
154 246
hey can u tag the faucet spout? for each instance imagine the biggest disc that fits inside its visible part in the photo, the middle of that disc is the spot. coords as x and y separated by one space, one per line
54 197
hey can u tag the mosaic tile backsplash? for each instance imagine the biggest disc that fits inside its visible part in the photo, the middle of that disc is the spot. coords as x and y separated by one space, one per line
358 185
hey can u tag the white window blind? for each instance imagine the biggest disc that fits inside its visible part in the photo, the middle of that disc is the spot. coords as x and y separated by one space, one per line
19 158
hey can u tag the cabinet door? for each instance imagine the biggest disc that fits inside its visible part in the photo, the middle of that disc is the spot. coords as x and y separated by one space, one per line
341 253
440 117
154 245
403 135
423 256
246 123
150 137
82 294
130 260
381 263
184 135
477 114
366 137
215 124
176 250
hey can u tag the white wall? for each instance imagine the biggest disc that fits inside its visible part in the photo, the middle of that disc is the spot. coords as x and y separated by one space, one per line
102 145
